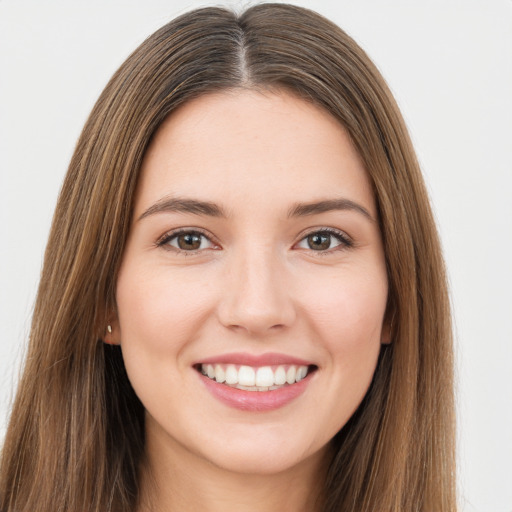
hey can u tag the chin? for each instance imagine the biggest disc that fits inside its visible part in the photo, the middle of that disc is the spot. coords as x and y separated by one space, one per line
261 455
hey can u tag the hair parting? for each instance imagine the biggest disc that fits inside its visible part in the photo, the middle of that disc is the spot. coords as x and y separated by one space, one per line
75 441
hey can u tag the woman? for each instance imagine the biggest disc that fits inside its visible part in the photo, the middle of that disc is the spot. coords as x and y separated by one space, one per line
243 303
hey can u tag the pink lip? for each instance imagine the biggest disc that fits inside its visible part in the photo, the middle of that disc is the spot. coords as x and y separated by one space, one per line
268 359
255 401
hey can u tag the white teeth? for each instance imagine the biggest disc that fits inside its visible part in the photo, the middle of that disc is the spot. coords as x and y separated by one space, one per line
280 376
220 374
231 374
246 376
302 371
264 378
251 388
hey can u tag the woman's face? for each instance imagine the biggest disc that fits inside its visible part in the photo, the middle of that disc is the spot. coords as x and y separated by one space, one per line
255 258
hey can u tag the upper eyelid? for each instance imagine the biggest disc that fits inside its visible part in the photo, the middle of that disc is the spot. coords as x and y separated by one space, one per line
324 229
169 235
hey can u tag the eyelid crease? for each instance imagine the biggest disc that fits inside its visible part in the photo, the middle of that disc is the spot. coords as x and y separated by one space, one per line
169 235
346 242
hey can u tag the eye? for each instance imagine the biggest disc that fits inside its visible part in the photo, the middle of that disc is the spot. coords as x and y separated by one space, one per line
186 240
325 240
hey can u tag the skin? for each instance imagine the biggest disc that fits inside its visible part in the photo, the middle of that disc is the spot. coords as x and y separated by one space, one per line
255 285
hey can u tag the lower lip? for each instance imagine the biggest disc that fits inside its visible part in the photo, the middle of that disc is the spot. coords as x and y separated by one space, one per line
255 401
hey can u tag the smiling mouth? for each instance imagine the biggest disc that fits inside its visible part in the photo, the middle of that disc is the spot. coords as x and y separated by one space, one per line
250 378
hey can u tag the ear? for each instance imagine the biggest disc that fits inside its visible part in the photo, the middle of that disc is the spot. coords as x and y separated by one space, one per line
385 335
112 334
387 327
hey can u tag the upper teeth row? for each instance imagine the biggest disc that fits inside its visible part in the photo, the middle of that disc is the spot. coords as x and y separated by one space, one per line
263 376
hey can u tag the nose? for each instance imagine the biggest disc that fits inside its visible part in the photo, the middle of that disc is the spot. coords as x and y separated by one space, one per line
255 297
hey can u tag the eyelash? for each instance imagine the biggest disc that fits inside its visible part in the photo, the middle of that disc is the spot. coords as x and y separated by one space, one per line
164 241
345 241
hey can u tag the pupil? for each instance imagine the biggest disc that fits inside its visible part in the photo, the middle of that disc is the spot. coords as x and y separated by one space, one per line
319 241
189 241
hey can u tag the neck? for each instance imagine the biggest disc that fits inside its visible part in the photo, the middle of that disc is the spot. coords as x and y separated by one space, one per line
173 479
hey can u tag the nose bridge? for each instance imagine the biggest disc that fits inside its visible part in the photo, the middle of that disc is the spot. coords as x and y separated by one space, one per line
256 297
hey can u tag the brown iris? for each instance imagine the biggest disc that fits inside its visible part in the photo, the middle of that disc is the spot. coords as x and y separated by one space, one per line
189 241
319 241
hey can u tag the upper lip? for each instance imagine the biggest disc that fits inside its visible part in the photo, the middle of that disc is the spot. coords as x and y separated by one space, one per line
267 359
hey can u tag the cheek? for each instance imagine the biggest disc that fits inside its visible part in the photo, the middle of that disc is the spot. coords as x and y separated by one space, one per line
158 316
157 309
348 312
345 312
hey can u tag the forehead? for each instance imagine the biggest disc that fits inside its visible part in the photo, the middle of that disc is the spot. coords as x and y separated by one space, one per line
241 145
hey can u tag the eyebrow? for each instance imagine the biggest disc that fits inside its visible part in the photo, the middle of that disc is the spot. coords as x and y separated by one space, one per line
184 205
197 207
305 209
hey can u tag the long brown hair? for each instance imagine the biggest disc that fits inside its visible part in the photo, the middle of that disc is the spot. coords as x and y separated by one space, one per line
75 441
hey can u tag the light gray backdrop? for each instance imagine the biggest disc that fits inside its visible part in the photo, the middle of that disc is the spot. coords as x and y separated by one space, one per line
449 64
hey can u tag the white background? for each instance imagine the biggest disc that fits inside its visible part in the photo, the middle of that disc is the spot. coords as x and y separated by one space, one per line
449 64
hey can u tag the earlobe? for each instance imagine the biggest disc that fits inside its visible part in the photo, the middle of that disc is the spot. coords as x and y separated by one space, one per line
387 330
111 335
385 337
